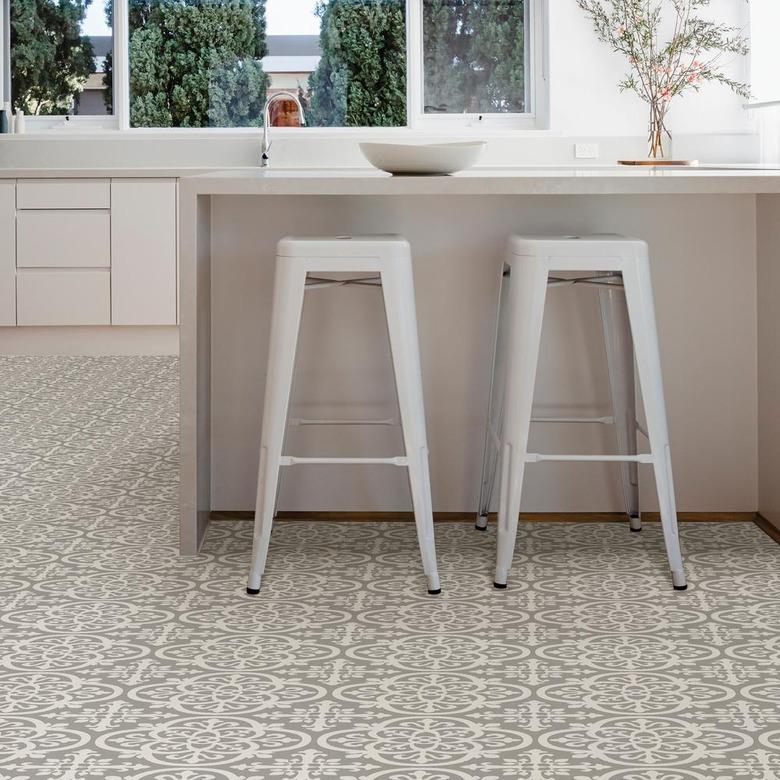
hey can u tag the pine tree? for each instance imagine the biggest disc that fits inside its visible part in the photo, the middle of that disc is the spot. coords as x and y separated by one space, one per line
446 47
361 77
50 58
196 63
498 55
474 56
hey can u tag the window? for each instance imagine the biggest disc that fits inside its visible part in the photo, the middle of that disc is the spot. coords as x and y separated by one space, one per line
213 63
474 57
58 55
764 52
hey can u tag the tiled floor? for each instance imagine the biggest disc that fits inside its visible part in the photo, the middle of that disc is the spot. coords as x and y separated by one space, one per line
121 661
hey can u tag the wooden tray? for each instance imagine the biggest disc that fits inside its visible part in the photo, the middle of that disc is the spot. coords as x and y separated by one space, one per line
658 163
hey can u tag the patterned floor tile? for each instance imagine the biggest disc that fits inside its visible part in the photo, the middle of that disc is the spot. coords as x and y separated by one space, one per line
121 661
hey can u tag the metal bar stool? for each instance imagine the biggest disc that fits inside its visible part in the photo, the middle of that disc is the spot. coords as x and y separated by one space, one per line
619 267
299 263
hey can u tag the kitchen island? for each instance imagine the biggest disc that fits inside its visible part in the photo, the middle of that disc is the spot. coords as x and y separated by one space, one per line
714 236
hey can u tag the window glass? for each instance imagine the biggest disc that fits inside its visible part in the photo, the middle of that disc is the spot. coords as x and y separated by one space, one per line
474 54
764 51
213 63
59 51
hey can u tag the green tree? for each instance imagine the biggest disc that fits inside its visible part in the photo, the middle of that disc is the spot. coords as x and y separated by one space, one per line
361 77
50 58
474 56
196 63
446 46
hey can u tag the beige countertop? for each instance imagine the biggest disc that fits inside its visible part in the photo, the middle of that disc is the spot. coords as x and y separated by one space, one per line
613 180
553 180
100 173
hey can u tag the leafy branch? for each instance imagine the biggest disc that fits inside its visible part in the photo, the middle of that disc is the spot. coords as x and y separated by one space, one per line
660 70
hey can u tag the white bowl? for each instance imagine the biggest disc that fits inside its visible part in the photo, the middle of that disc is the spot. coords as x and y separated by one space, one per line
423 159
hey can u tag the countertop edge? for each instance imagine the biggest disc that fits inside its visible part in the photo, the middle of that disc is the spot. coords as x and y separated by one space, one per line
552 180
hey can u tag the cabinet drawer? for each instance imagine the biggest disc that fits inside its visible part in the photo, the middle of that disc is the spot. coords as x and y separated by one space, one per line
63 194
65 297
63 239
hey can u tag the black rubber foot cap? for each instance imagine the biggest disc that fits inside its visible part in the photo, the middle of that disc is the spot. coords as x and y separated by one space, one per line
480 527
634 530
253 591
680 587
499 586
435 592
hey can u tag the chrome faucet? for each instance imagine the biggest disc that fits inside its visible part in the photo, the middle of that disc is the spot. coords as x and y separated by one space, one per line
265 159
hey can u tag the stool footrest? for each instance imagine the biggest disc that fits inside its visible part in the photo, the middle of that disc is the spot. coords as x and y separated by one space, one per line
609 420
535 457
292 460
309 421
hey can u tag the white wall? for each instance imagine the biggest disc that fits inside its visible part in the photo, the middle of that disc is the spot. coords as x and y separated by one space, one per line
703 262
584 73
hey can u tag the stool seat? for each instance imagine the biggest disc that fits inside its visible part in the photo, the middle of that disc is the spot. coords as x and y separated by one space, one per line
299 265
619 266
343 247
598 245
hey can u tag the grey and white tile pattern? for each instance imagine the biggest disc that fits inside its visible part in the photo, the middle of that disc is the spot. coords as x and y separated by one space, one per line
121 661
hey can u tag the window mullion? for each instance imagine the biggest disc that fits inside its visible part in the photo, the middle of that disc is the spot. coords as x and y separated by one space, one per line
5 50
121 65
414 63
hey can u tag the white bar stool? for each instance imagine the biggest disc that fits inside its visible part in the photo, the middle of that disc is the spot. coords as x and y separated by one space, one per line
619 267
388 259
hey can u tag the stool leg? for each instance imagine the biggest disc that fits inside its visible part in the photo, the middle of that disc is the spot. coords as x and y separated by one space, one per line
495 407
289 289
398 292
527 291
620 364
639 297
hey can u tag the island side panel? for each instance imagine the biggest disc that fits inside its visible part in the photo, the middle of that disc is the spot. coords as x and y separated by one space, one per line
768 251
703 254
195 367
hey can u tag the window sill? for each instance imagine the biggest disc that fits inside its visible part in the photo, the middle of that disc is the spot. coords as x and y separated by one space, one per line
288 133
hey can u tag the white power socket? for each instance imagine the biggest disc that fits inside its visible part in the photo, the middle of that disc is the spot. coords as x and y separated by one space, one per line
586 151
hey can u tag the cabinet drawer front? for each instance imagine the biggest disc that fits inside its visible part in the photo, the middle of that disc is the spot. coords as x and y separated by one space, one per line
63 194
63 239
63 297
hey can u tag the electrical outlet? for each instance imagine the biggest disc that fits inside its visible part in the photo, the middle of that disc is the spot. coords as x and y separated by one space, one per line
586 151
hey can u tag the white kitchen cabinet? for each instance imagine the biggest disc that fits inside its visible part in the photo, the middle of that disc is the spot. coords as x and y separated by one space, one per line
63 194
88 252
63 239
7 253
63 297
143 252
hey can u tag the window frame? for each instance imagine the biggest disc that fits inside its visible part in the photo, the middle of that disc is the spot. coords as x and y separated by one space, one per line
63 122
536 16
417 122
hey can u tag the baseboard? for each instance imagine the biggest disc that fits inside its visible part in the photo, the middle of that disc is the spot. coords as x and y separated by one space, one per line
525 517
770 529
97 340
